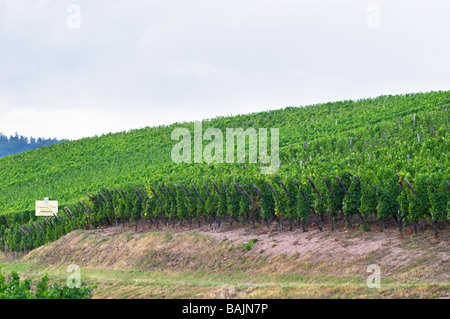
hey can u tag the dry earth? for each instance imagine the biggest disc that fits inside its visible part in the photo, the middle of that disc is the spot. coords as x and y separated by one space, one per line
205 262
423 256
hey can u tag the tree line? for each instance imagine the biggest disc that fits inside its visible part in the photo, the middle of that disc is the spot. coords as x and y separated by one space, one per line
16 143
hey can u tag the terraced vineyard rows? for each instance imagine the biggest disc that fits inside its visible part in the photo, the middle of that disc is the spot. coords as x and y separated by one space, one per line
386 157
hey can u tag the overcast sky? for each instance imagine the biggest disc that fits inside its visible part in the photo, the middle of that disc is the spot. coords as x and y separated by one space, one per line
70 69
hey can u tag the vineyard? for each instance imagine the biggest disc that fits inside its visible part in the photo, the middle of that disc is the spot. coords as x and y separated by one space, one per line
384 158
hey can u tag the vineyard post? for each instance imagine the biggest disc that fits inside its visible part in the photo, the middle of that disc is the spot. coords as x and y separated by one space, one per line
162 191
142 200
317 192
399 218
41 225
225 188
68 215
210 219
448 185
201 199
347 218
71 213
285 189
124 195
114 206
187 191
36 226
33 228
93 217
342 186
215 186
50 222
150 221
118 193
146 195
273 191
207 191
156 195
306 198
332 194
30 229
318 220
55 218
21 231
314 187
257 190
276 196
79 212
168 190
363 218
101 196
410 186
88 210
328 186
254 206
162 205
237 189
415 223
198 194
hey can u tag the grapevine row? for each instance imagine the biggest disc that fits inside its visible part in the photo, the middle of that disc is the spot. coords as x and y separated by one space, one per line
305 201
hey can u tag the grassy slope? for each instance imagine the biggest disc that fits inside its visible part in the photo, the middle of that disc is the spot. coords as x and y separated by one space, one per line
68 170
199 265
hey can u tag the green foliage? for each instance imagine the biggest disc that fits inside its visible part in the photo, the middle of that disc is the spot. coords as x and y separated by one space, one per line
316 136
222 206
369 199
388 190
16 289
267 202
439 195
304 203
352 201
419 202
250 244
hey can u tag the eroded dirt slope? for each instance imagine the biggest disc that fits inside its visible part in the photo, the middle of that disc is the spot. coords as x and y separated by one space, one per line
341 252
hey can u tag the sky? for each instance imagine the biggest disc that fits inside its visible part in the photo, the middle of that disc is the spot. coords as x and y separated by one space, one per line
72 69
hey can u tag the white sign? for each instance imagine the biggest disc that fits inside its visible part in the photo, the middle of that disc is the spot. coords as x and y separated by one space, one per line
46 207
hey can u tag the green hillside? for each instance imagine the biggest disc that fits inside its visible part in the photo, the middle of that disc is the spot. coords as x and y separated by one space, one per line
370 138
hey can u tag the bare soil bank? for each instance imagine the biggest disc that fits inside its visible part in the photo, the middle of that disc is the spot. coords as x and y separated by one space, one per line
342 252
